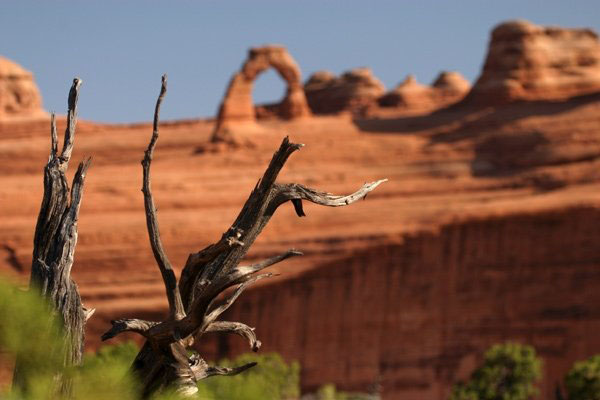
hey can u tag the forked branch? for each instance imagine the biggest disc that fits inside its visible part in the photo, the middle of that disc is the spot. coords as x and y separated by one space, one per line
176 310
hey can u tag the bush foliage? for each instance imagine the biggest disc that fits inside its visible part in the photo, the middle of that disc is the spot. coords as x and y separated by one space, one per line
272 378
583 380
29 329
509 372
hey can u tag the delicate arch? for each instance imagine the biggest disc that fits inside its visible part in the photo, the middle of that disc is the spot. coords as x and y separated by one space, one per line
238 106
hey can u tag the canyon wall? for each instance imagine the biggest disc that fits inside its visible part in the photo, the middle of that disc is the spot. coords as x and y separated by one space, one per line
416 317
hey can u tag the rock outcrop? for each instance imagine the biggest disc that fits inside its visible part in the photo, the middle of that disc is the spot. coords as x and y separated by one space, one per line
448 88
408 94
237 106
419 318
352 91
19 95
531 62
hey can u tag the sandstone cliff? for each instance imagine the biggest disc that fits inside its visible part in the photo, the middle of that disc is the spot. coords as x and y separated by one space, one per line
417 316
20 97
532 62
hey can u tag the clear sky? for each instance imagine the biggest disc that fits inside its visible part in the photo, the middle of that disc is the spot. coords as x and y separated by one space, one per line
121 48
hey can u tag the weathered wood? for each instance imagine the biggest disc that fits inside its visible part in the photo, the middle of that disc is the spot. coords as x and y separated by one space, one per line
55 239
175 305
193 303
237 328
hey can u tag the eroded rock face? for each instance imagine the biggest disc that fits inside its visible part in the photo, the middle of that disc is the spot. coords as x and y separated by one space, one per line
532 62
238 107
448 88
418 319
352 91
19 95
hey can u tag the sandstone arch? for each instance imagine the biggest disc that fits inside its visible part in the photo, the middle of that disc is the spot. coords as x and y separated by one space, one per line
237 107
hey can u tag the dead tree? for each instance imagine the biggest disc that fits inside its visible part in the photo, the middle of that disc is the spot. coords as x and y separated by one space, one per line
194 301
56 237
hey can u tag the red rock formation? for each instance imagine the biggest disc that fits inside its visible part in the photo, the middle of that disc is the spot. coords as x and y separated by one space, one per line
408 94
448 88
237 106
352 91
417 316
19 95
531 62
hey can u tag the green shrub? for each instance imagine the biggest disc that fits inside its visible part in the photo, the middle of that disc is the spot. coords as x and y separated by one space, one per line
583 380
271 379
330 392
28 329
509 372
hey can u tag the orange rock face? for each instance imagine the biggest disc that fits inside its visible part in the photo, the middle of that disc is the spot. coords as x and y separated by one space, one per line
352 91
531 62
237 106
19 95
418 319
448 88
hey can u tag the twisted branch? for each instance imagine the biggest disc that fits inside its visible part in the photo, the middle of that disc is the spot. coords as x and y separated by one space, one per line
128 325
236 328
176 310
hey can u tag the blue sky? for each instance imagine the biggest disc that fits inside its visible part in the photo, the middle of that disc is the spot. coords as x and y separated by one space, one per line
121 48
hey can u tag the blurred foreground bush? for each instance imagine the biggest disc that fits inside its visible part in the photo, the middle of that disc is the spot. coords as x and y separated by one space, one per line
29 329
509 372
272 378
330 392
583 380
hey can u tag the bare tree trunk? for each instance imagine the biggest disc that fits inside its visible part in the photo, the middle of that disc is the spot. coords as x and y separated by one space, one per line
55 240
194 304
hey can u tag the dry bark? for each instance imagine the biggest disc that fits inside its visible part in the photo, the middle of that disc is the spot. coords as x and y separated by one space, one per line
194 304
56 237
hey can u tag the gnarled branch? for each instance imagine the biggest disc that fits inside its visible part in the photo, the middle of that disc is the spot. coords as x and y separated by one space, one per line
193 303
215 310
236 328
176 310
201 370
296 193
128 325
